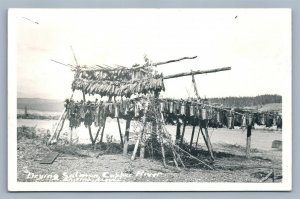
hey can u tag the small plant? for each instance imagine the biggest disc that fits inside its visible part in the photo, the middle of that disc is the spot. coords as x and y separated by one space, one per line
26 132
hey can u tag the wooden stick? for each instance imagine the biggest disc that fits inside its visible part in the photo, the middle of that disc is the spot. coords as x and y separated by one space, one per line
171 144
91 135
203 136
142 149
121 137
161 145
136 146
62 125
180 160
171 61
195 85
57 134
192 137
198 137
102 132
178 131
83 95
248 144
68 65
209 144
267 176
97 134
193 157
74 56
126 137
54 133
174 158
142 66
183 131
197 72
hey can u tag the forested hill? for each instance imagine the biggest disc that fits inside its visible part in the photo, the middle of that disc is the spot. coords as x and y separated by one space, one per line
58 105
247 101
40 104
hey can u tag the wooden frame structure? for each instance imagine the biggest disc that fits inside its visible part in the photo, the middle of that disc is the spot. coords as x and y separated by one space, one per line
124 141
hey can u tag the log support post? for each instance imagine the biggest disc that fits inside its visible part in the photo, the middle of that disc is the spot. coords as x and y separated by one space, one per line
204 124
121 136
192 137
248 144
178 131
197 137
209 146
126 137
183 131
102 132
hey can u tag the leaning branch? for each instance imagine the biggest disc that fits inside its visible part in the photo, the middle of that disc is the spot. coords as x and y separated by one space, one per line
138 67
161 63
197 72
68 65
171 61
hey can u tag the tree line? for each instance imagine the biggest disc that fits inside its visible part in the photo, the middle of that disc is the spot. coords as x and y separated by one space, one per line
247 101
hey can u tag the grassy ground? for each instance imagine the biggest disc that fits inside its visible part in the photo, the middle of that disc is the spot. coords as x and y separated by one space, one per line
106 163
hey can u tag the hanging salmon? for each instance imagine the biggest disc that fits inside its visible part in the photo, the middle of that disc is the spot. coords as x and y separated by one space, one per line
171 107
116 110
210 113
196 111
244 123
203 113
192 110
126 108
218 117
162 105
263 119
230 119
82 112
136 110
182 109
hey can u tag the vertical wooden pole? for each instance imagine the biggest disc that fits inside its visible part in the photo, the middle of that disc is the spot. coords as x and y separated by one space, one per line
144 130
248 144
183 131
71 134
102 132
126 137
161 144
198 137
204 138
209 144
57 126
121 137
142 149
192 137
95 139
136 145
178 131
62 125
83 95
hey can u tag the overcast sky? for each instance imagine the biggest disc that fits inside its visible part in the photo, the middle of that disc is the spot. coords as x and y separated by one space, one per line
256 43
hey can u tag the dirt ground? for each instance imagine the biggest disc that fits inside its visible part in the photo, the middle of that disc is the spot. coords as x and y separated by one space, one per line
106 163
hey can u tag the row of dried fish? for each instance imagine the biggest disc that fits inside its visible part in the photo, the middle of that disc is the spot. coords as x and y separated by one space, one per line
114 88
